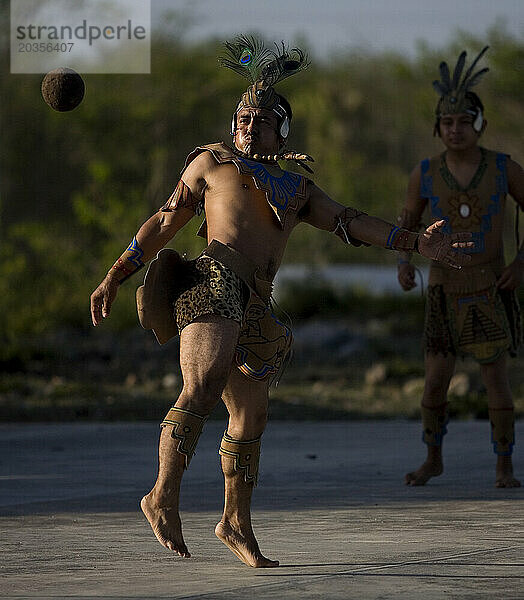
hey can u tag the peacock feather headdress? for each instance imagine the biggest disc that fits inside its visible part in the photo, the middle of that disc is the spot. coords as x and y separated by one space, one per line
453 90
248 56
263 67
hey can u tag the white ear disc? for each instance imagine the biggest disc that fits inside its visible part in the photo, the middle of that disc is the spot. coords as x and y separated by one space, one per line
477 123
284 128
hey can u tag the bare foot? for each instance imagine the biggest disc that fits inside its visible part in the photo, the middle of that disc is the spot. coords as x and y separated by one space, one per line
504 473
166 525
431 468
246 548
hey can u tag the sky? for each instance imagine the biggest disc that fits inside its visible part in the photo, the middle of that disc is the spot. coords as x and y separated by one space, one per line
331 25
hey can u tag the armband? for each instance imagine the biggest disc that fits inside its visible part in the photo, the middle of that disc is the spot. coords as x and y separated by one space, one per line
129 263
403 240
343 226
182 198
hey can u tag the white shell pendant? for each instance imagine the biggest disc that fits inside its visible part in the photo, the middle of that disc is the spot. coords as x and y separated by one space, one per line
464 210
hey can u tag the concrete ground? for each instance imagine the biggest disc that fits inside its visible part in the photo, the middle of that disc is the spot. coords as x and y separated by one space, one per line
330 505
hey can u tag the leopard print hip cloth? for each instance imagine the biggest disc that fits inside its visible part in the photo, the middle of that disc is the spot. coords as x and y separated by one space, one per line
211 288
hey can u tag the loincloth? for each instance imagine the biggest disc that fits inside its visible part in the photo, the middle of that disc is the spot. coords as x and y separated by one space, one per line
221 282
211 289
264 341
472 317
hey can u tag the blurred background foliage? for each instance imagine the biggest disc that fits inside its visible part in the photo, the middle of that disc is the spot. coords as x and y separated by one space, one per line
76 186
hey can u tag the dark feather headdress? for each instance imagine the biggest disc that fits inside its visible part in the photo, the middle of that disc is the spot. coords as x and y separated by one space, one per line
453 90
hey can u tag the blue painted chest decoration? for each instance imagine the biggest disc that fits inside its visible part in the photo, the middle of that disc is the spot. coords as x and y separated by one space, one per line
284 192
281 192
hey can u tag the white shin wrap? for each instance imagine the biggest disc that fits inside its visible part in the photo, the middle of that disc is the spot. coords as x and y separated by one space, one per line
187 427
246 455
434 422
502 421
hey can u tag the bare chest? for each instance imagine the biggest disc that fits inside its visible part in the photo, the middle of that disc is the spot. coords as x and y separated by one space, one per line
254 191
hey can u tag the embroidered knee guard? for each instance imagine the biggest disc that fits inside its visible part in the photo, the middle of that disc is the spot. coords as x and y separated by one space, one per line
434 421
187 427
502 422
246 455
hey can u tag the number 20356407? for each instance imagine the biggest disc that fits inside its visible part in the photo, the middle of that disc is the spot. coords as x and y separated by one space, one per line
45 47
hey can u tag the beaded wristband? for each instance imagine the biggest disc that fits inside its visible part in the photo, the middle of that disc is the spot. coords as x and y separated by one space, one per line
402 239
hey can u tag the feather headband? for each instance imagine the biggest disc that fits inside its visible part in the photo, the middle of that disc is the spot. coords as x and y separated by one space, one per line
453 89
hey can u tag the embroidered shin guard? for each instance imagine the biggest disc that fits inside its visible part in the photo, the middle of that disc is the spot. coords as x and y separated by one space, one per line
434 421
187 427
246 455
502 422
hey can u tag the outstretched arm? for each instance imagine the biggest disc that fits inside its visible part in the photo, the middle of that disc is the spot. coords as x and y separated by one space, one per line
512 275
355 227
153 235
